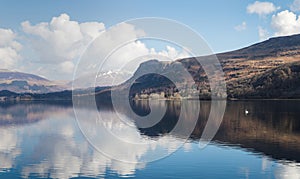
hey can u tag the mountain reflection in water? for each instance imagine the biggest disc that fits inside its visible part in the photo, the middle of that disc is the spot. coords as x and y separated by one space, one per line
43 140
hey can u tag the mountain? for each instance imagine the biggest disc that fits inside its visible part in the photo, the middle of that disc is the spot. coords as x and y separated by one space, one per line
26 83
282 81
273 47
102 79
269 69
266 70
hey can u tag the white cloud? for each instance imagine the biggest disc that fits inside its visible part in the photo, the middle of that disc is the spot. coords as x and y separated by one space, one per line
285 23
60 42
289 170
66 67
126 55
121 64
263 33
69 152
92 29
295 6
261 8
119 50
8 148
173 54
127 59
9 49
241 27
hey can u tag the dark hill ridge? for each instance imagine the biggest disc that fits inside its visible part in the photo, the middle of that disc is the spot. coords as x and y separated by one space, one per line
283 81
268 69
6 93
273 47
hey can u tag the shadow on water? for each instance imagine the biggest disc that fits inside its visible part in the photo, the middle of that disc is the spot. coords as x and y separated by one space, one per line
268 127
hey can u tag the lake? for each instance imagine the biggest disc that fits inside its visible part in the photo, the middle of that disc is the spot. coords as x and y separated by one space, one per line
46 140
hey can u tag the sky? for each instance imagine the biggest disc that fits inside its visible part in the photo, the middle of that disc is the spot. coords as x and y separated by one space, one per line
47 37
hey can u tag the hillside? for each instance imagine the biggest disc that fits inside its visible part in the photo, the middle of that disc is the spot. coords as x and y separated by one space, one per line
273 47
26 83
268 69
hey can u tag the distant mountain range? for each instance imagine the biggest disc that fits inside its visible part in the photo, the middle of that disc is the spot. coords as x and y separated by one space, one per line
269 69
27 83
107 78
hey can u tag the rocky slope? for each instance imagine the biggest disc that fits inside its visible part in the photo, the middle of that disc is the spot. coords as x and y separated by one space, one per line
270 69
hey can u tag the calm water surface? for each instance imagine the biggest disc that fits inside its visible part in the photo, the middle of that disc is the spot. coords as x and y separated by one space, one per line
44 141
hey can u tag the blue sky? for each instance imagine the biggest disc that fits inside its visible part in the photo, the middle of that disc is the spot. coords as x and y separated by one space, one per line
214 19
225 25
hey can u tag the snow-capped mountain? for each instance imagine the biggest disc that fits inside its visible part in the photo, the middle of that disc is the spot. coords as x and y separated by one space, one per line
107 78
